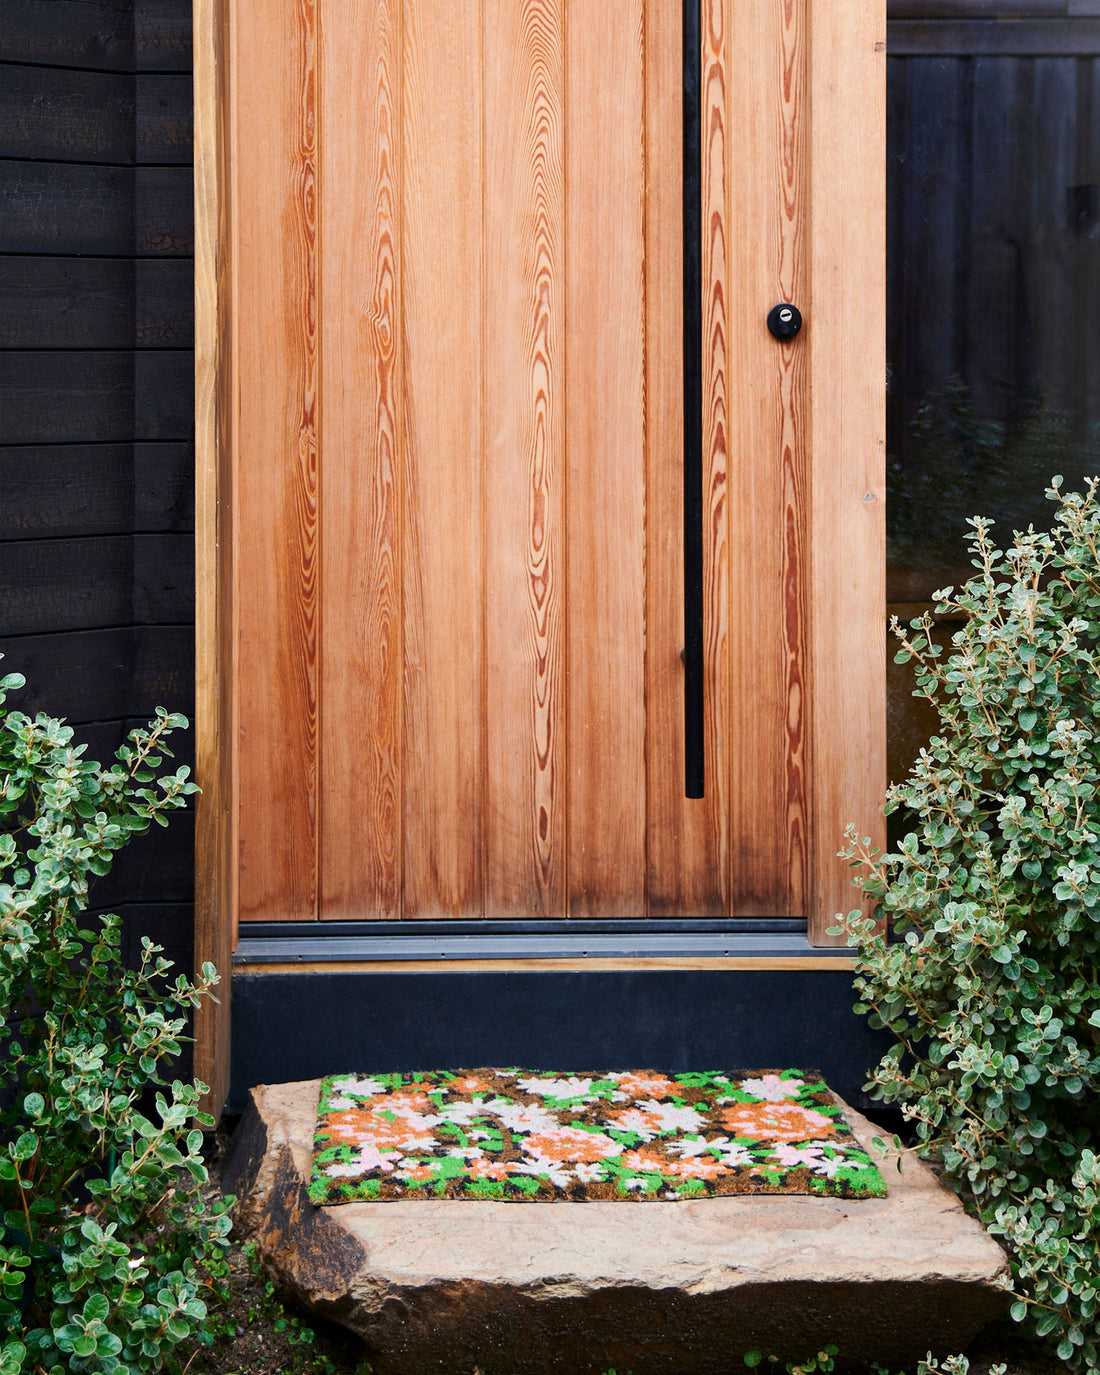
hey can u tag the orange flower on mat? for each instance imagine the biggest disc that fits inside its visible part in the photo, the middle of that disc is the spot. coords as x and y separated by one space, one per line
700 1167
644 1085
570 1143
644 1163
777 1122
469 1083
360 1128
488 1169
344 1126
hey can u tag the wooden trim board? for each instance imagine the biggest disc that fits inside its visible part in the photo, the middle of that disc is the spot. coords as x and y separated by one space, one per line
215 715
844 963
846 338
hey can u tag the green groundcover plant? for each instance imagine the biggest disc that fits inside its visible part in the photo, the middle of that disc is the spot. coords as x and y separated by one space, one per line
991 978
108 1250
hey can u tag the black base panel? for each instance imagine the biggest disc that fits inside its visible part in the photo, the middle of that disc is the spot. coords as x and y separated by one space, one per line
303 1025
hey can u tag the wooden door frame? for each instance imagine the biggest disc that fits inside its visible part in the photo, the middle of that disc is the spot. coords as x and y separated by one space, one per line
845 49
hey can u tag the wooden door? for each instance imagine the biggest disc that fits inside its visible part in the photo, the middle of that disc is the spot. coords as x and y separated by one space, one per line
449 608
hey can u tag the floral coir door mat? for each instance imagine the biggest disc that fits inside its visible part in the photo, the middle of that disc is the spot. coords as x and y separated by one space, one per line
527 1137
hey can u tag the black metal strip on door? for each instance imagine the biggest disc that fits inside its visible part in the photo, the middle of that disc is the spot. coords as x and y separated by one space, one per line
694 770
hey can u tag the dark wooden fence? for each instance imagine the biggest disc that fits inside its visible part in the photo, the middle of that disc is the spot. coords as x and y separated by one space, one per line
96 392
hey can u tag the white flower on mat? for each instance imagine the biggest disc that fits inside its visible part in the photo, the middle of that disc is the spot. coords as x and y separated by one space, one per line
361 1088
519 1117
418 1122
542 1168
369 1158
587 1171
338 1104
465 1152
667 1117
732 1154
557 1088
690 1146
810 1156
462 1111
642 1124
769 1088
636 1183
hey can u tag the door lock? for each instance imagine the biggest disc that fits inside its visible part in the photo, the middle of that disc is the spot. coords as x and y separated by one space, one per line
784 320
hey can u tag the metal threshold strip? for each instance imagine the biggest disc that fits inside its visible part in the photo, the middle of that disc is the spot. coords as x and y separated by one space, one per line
431 941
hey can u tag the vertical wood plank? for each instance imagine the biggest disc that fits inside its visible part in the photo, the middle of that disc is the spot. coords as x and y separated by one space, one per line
524 439
769 446
279 589
442 524
215 855
605 191
362 643
847 401
684 836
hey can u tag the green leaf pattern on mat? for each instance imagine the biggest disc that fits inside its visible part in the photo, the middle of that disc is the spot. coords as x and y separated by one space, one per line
523 1136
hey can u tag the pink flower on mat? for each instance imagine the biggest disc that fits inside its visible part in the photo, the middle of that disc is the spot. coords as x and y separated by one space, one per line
813 1158
771 1088
791 1156
369 1158
571 1143
777 1122
404 1104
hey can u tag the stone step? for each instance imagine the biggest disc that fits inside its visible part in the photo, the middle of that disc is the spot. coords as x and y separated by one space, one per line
656 1288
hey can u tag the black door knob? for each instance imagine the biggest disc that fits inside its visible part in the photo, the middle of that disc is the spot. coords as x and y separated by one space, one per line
784 320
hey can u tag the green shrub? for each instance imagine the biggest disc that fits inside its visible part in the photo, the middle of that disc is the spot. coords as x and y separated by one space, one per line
991 983
106 1245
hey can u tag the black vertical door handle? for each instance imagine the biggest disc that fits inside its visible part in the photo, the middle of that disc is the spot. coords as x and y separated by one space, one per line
694 736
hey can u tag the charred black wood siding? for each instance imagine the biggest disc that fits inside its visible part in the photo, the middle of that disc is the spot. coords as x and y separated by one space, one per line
96 393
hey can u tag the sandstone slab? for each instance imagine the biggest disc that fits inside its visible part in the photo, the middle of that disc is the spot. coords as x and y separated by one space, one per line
679 1288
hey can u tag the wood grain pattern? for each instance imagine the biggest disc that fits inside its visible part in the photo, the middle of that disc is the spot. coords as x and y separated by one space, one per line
716 146
605 192
769 217
524 400
847 405
362 653
501 726
279 594
443 510
682 834
215 860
